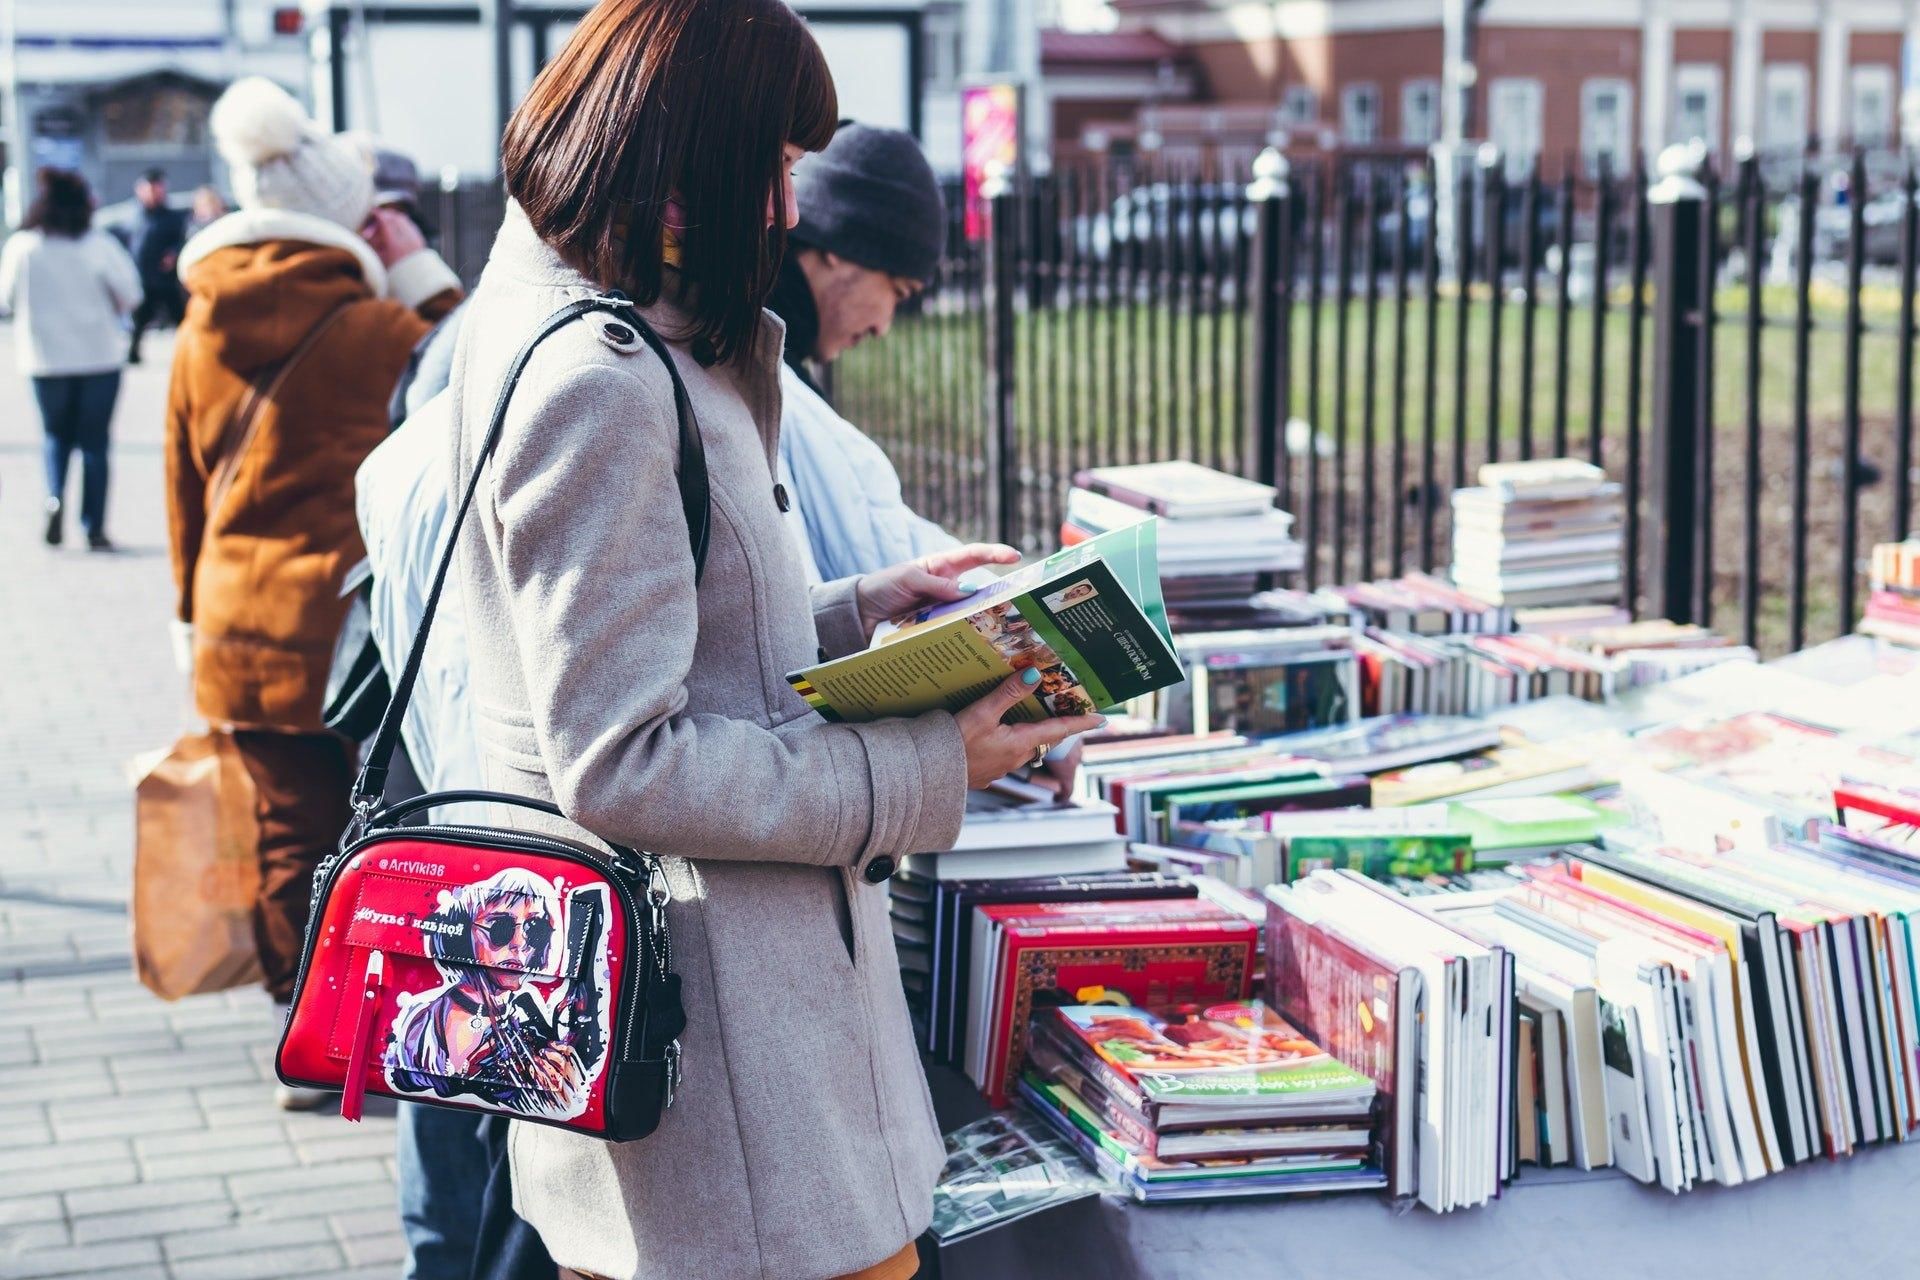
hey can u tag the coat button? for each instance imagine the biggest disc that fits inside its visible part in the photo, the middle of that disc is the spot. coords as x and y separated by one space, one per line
781 500
880 870
616 334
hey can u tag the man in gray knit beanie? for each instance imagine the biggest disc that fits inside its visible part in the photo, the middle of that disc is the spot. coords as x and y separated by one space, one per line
871 231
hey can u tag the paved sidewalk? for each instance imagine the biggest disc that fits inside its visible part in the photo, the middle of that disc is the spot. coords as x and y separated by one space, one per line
138 1139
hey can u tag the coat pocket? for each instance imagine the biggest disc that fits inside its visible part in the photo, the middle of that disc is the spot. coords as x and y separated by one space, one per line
843 907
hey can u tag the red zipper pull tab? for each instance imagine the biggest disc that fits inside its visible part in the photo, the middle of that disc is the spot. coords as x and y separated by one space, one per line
356 1083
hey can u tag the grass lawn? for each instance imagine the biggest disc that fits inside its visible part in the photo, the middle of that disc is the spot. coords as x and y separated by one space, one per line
1115 383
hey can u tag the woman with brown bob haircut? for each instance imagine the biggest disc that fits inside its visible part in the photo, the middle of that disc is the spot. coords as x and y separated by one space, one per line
654 156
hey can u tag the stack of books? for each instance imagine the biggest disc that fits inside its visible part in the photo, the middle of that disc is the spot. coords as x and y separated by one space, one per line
933 931
1013 831
1222 538
1420 1008
1223 1102
1893 605
1155 797
1420 605
1648 652
1546 532
1160 953
1474 674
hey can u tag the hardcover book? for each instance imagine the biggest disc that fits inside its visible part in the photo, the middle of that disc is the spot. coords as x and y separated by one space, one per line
1158 964
1238 1057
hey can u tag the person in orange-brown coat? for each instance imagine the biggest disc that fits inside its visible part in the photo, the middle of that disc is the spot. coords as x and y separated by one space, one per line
308 300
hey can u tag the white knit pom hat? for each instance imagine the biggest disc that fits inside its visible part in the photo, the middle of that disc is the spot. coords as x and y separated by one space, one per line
280 159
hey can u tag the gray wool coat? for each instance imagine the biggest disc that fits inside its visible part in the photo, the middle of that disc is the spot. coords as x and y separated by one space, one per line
802 1143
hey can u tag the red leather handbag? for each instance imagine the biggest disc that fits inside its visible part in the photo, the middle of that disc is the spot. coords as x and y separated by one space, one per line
491 968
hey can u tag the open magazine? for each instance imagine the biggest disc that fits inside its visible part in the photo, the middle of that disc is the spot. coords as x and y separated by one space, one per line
1091 618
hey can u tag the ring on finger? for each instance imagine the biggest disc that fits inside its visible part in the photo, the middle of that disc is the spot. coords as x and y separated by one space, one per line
1039 757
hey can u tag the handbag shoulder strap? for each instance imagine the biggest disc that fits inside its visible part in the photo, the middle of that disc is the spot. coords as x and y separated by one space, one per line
244 426
691 475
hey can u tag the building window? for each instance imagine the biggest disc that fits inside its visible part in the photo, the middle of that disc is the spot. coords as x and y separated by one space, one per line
1696 104
1420 112
1606 124
1300 106
1360 114
1514 120
1870 106
1783 109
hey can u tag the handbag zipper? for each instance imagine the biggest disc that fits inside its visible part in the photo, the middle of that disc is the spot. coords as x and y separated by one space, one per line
617 870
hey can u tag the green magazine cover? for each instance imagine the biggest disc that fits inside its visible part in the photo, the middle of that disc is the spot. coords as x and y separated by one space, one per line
1090 618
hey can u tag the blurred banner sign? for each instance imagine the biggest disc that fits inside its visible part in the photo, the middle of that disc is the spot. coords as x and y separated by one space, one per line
990 130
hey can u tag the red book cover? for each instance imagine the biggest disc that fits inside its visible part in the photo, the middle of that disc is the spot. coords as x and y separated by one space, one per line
1159 966
1347 1001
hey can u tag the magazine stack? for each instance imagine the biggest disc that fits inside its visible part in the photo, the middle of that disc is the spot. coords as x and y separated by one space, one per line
1547 532
1893 605
1221 543
1220 1102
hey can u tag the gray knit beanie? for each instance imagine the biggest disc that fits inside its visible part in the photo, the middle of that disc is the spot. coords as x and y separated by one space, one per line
871 198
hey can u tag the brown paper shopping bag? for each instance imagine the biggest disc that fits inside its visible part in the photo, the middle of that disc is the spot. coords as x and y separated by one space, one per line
196 868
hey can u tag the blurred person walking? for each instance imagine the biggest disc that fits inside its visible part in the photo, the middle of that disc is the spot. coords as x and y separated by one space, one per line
159 231
303 308
70 287
209 206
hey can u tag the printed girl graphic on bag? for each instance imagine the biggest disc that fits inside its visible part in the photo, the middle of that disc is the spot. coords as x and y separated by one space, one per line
490 1032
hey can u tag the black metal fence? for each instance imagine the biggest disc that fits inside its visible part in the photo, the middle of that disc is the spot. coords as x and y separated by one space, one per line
1363 330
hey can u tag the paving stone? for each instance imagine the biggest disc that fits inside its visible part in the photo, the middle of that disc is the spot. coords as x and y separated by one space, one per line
346 1173
146 1195
217 1161
150 1223
363 1251
48 1176
366 1222
249 1236
323 1202
21 1209
78 1260
264 1264
34 1235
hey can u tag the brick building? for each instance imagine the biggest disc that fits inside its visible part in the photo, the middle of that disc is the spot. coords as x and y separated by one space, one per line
1538 77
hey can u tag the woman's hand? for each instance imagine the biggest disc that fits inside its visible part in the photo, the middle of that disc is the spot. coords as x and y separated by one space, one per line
995 749
932 579
392 235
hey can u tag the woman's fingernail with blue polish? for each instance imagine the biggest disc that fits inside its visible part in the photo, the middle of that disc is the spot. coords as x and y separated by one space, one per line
1030 676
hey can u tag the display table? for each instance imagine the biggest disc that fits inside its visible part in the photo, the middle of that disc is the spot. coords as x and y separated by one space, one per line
1846 1218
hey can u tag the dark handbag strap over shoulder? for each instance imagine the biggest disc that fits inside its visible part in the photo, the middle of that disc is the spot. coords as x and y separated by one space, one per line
694 500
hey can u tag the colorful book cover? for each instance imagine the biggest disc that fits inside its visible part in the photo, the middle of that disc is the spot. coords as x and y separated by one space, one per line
1525 822
1378 857
1348 1000
1503 765
1167 965
1233 1052
1066 1108
1090 619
